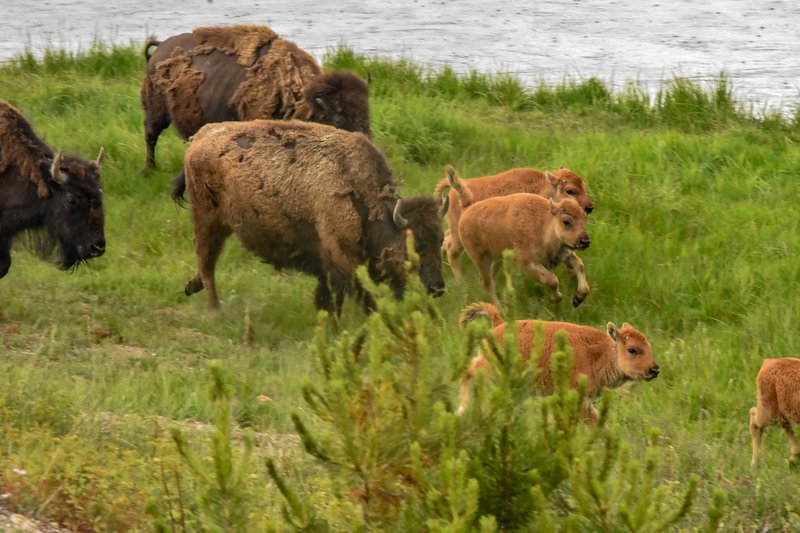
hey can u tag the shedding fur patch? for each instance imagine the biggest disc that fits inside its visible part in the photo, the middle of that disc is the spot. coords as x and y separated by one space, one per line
240 40
274 85
20 147
180 83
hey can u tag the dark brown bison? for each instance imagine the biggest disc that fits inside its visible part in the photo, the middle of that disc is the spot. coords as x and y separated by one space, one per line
43 190
308 197
225 73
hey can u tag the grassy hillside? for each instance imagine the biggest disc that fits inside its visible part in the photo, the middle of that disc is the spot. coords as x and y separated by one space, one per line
694 241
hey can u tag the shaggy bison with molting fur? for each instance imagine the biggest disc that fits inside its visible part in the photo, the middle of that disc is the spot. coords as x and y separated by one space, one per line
40 190
307 197
225 73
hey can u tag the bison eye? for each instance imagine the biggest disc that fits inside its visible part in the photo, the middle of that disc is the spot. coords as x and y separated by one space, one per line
567 223
71 201
570 192
632 351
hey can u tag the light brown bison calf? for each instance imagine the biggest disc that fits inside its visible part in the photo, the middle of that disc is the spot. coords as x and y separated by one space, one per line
777 400
560 184
542 233
608 358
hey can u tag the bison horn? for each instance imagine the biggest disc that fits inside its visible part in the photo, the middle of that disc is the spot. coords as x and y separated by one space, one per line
445 205
399 221
99 162
55 170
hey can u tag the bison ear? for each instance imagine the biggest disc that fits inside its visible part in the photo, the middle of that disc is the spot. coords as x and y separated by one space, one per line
99 161
553 209
612 331
552 179
55 171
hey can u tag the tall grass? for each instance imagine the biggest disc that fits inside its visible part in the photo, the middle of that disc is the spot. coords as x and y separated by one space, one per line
694 242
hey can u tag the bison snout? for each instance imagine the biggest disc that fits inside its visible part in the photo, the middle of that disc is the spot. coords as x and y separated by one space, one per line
98 248
588 209
436 290
653 373
584 243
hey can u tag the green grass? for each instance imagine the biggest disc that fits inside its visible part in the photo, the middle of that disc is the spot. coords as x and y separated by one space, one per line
694 241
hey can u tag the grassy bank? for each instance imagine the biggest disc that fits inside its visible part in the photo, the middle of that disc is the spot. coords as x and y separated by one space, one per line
694 241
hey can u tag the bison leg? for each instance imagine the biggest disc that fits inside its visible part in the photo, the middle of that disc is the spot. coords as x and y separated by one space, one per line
589 411
322 296
756 430
486 270
5 256
546 277
794 459
453 248
208 242
156 119
478 363
575 266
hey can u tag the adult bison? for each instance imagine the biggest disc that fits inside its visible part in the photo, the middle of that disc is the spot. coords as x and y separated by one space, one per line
243 72
308 197
42 190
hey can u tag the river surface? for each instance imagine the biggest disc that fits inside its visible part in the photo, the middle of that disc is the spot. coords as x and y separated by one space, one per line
756 42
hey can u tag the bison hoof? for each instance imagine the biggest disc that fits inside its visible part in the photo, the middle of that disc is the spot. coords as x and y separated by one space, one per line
794 462
192 287
576 301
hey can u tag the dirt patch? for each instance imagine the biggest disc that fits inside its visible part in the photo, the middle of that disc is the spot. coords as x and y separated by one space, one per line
19 523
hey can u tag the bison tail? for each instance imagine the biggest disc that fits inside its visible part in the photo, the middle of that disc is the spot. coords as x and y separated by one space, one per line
179 187
478 309
458 184
440 187
149 44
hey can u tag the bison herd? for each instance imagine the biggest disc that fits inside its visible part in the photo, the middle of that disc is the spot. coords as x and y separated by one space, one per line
281 155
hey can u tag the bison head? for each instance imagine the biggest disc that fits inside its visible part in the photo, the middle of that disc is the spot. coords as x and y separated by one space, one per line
423 217
634 355
74 216
568 184
570 222
341 100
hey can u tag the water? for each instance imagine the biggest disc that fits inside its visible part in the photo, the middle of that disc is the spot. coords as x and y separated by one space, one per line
757 42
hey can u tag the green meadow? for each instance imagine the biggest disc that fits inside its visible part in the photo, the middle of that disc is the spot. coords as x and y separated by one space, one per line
694 241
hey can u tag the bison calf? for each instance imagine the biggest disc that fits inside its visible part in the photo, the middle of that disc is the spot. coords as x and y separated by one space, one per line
308 197
777 400
542 233
242 72
559 184
608 358
40 189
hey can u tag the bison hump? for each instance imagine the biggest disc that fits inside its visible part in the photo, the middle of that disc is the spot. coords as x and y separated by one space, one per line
241 40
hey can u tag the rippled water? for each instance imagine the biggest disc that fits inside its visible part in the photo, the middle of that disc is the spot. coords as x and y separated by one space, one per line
757 42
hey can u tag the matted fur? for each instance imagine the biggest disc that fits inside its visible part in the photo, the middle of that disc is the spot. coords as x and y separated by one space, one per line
180 82
274 86
20 146
242 40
